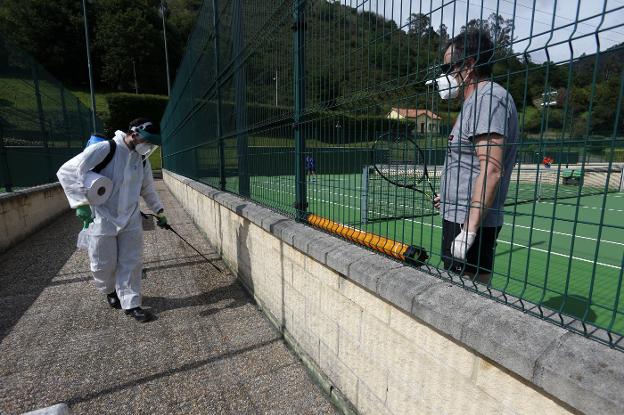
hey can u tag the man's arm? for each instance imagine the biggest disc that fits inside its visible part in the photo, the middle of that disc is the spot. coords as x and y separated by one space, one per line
489 149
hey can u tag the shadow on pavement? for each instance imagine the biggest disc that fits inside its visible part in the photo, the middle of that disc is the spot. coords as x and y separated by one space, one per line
28 268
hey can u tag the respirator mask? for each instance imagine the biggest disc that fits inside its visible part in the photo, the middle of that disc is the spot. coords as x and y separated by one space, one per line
145 149
446 84
150 135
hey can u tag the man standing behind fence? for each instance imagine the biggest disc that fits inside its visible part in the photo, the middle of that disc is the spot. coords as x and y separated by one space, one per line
480 156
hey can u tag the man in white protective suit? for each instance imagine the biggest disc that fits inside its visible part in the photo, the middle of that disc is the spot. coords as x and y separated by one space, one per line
115 232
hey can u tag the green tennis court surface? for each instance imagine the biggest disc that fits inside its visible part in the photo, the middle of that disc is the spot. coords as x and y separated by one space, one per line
540 245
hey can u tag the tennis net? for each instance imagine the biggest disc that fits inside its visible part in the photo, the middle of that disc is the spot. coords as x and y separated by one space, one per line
382 200
537 183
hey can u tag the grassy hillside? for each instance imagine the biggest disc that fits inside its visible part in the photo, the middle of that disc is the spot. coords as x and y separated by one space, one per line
101 105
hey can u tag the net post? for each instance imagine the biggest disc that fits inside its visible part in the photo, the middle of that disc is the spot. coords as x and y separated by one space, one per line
540 176
364 196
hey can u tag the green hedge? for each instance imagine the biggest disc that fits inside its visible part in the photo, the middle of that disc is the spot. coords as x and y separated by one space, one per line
616 155
124 107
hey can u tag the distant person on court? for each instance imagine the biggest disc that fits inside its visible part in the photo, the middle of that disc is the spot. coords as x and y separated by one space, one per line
115 226
310 165
481 152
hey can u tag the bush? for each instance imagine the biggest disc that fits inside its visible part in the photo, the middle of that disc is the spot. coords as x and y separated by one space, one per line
124 107
532 120
616 155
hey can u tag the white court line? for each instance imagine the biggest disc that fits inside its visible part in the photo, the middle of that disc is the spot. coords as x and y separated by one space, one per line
586 207
535 249
565 234
506 223
509 224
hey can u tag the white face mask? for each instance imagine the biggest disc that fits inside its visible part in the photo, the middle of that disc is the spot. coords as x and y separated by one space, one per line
145 149
447 86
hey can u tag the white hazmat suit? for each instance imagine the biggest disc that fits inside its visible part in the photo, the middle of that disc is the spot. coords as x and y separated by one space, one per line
116 234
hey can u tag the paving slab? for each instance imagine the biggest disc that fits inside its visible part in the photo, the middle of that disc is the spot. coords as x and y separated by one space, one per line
210 351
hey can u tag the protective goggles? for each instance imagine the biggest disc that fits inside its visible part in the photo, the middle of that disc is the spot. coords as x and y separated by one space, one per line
148 132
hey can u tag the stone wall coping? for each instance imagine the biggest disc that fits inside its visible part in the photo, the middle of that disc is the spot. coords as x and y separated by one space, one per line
580 372
29 191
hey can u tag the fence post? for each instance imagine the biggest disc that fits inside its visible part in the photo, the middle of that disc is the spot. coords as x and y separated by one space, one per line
41 116
238 36
65 118
80 121
298 27
4 164
215 21
40 113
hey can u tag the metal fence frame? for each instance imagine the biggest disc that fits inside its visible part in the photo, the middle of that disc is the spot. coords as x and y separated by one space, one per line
220 126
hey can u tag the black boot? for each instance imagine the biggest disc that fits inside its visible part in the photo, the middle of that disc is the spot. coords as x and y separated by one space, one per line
113 300
139 314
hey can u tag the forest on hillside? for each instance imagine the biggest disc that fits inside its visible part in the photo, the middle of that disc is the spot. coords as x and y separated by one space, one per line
354 58
126 37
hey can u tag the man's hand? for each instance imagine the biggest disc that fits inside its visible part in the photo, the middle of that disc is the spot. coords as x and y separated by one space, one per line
84 214
162 220
462 243
436 202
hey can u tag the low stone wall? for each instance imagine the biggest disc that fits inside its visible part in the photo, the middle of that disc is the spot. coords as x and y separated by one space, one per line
26 211
384 338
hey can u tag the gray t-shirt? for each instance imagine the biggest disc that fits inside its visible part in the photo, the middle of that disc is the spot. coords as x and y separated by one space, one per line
489 110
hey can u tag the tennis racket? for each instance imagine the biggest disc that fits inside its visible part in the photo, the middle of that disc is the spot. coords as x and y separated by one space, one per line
397 159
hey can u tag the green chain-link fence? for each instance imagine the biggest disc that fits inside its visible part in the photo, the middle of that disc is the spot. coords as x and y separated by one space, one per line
286 103
42 124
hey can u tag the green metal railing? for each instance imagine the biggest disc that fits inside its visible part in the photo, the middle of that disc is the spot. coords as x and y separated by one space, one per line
286 102
42 124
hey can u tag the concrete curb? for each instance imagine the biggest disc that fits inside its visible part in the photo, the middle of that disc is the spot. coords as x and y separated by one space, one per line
577 371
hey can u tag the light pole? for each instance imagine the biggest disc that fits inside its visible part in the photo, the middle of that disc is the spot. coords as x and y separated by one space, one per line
136 83
86 26
163 9
275 79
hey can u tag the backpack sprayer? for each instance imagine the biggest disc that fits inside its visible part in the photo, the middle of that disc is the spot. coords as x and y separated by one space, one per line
169 228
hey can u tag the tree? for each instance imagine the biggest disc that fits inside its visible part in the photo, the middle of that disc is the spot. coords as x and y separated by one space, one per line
443 35
418 24
500 30
476 24
181 18
605 105
52 32
127 32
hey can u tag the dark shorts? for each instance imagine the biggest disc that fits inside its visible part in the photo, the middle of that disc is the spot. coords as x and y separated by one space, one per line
475 263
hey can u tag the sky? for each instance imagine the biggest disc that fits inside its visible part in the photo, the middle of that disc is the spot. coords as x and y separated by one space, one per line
544 21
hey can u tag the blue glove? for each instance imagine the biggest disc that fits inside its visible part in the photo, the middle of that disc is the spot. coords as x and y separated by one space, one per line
162 221
84 214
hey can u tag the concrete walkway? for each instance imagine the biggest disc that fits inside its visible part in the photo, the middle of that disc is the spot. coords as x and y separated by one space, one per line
211 351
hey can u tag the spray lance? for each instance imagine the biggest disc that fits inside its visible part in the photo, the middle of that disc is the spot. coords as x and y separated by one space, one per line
169 228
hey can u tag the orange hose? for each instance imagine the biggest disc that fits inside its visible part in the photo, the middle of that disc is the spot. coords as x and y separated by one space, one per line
370 240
